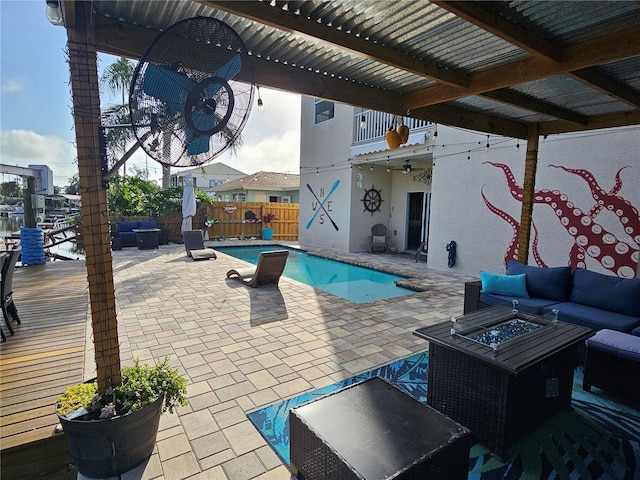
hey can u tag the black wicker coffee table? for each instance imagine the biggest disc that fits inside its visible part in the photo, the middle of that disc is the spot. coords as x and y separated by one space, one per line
374 431
498 383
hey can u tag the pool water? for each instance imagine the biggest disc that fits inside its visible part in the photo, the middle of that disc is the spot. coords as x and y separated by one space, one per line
353 283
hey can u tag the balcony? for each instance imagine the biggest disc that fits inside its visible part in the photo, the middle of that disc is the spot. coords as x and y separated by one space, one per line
370 127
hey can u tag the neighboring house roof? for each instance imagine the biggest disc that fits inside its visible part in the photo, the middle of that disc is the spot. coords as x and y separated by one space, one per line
262 181
211 169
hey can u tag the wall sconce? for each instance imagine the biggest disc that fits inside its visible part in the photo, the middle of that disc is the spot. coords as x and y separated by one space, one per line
53 12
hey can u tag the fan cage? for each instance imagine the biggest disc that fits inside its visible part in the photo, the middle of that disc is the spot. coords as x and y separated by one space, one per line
201 55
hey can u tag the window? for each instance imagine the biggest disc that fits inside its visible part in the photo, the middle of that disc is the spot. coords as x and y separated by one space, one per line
273 199
323 111
216 182
286 199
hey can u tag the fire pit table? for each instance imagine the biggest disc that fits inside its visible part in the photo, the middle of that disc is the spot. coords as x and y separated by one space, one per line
501 372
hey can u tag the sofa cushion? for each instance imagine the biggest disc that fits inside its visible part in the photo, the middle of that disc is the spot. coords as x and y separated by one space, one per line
515 285
593 317
551 283
145 224
124 227
621 295
616 343
534 306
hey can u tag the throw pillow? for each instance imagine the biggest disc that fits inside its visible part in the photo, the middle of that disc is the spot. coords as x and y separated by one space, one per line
514 285
551 283
379 239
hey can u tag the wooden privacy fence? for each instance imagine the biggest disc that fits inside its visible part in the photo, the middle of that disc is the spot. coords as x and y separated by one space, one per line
231 220
236 220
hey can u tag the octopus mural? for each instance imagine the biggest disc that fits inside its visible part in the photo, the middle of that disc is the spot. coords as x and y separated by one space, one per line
617 255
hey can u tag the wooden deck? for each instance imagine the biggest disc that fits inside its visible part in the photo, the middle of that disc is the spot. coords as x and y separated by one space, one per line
47 352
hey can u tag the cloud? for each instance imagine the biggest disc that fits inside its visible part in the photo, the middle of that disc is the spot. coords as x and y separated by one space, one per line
276 153
25 147
13 86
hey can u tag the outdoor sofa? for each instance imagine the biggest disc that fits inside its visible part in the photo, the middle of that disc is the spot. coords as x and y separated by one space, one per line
124 231
582 297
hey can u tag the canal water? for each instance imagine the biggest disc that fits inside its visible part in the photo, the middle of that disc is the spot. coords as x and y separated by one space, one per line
10 225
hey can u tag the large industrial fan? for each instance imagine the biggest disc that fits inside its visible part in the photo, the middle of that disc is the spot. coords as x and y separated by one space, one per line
192 92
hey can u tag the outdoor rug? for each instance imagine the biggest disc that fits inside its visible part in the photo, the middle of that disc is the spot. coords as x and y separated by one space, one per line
600 439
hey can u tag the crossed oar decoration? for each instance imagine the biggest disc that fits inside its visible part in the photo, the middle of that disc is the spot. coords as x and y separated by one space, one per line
321 203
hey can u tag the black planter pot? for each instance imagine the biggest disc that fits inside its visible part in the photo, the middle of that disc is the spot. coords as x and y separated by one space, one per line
110 447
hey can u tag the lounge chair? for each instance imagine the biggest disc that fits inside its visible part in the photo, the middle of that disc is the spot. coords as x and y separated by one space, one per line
194 245
268 270
9 310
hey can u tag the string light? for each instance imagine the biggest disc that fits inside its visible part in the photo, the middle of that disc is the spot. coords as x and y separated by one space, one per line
518 144
469 155
371 168
317 170
435 134
260 104
544 139
488 145
363 121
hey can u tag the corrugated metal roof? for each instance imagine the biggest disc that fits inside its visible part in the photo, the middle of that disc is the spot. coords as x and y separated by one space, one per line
429 33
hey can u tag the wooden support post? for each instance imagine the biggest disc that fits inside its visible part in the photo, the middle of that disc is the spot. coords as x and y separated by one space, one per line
29 211
528 189
86 112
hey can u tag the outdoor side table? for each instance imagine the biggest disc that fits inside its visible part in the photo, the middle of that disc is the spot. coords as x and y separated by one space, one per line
146 238
372 430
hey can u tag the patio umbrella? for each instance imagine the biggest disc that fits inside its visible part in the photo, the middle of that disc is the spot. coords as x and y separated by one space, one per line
188 203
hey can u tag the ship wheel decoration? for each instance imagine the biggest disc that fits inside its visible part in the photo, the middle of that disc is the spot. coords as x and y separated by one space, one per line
372 200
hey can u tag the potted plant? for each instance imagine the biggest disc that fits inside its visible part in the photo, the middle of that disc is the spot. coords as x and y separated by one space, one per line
267 230
112 432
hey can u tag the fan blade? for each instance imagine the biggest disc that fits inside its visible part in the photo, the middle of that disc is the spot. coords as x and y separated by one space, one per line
230 69
167 86
227 71
198 145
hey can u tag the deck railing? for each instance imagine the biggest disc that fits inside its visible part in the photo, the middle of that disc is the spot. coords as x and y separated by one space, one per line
376 125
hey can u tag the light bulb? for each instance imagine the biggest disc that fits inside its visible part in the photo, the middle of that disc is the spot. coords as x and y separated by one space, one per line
260 105
363 122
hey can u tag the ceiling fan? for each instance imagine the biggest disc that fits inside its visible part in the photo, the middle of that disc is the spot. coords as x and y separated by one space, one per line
407 168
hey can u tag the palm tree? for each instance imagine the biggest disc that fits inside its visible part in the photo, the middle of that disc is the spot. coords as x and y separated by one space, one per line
117 78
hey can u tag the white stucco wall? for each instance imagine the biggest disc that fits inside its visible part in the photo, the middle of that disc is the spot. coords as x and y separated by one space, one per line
459 212
461 175
323 164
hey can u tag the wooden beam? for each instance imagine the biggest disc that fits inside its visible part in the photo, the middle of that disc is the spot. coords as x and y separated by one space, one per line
86 113
528 190
609 120
263 13
593 78
475 13
528 103
458 117
587 54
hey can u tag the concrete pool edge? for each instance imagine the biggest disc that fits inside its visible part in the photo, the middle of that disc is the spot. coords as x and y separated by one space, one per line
408 281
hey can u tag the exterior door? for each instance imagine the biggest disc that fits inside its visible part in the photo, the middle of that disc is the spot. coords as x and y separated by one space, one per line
417 219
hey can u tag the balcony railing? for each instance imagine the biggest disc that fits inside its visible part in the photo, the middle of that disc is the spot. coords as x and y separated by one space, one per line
376 125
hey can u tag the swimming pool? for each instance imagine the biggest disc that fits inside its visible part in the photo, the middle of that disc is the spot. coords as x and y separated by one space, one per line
353 283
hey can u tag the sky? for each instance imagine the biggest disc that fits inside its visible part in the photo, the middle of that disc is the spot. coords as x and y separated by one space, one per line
36 123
